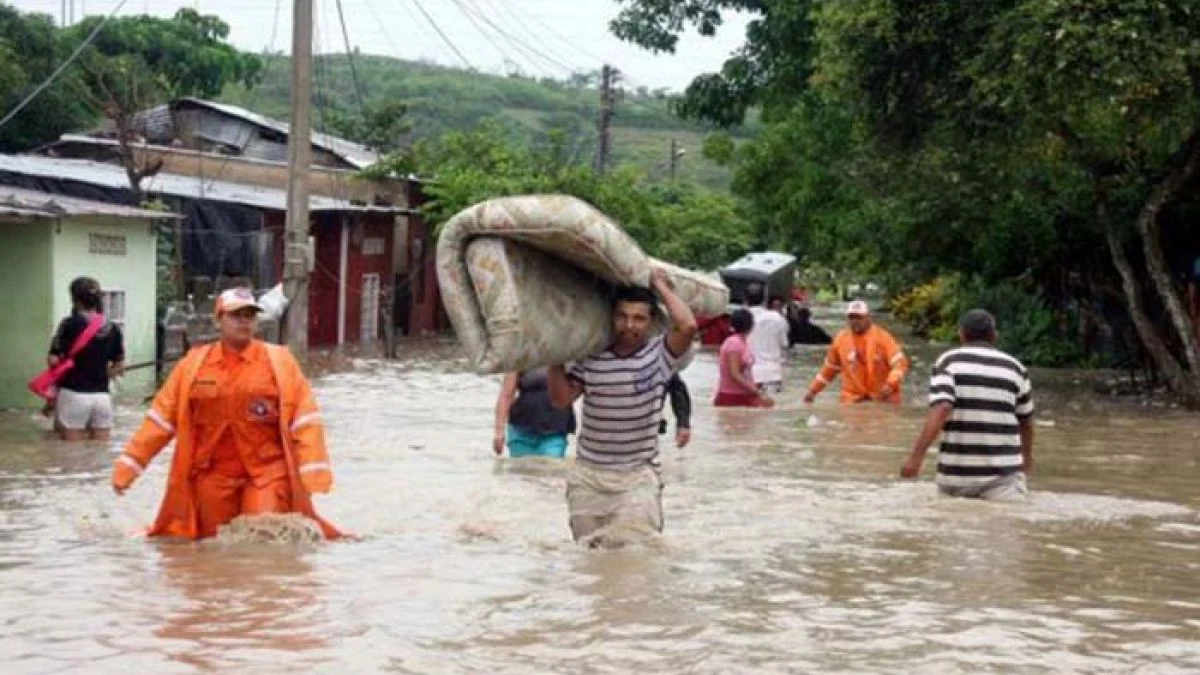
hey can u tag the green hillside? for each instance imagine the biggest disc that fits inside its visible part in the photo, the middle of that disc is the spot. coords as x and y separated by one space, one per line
441 99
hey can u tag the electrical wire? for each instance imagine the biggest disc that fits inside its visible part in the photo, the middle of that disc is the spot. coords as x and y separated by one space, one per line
447 40
358 90
62 67
515 43
485 34
523 25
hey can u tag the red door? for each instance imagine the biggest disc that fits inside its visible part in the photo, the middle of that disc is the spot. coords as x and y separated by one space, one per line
323 282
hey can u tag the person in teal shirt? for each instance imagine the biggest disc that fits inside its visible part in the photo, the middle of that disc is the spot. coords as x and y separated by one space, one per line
526 422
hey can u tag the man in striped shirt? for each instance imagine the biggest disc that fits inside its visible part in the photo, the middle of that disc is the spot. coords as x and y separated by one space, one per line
982 403
615 476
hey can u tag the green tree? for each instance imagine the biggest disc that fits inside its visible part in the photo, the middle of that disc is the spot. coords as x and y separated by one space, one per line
720 147
1106 91
1041 139
31 47
681 224
770 70
141 61
381 126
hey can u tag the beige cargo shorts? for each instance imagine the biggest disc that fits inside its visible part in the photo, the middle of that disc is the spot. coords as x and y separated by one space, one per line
609 504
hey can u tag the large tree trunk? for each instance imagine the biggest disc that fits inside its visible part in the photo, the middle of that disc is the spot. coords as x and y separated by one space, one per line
1156 264
1178 379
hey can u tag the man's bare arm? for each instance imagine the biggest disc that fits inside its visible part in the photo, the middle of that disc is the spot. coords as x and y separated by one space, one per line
683 322
1027 444
935 421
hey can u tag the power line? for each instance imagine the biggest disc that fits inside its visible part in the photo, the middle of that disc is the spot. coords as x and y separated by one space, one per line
350 57
569 43
383 26
275 25
485 34
523 25
517 44
322 95
58 71
448 41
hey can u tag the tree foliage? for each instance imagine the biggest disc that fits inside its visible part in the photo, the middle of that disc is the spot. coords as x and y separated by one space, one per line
381 126
186 55
31 47
682 224
134 62
1056 142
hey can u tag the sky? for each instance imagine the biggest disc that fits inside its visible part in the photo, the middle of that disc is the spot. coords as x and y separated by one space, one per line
546 38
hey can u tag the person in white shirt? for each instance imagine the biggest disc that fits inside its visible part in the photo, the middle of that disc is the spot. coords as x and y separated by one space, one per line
768 342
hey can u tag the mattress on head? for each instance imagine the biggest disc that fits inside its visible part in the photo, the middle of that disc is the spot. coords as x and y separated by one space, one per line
526 281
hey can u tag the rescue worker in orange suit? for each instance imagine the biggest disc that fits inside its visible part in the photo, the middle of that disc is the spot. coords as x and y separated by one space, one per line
868 358
248 434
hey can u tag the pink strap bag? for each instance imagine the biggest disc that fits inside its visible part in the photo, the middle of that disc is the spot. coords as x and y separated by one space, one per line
45 383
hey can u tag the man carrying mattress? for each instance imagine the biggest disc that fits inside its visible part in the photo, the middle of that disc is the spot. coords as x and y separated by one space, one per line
615 479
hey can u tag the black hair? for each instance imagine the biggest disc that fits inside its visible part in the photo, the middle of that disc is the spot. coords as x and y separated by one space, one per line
85 292
636 294
742 321
776 298
978 325
755 294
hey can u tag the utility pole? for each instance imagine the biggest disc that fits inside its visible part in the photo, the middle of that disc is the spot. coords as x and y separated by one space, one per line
677 153
296 251
608 78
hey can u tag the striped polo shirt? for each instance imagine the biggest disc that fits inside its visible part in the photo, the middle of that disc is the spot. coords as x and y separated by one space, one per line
991 395
622 404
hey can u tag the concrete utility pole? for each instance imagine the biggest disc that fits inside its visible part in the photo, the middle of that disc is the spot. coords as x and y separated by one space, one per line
608 78
297 254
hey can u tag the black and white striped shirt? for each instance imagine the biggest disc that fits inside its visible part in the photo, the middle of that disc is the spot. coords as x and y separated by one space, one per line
622 404
991 395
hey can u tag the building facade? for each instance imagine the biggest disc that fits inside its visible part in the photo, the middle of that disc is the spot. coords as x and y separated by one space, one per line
45 242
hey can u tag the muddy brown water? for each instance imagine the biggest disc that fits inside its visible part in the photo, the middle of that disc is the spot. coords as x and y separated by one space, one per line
791 546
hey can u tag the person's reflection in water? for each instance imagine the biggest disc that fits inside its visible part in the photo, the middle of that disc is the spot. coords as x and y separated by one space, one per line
265 597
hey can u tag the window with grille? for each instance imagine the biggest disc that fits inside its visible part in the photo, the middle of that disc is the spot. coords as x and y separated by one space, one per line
113 302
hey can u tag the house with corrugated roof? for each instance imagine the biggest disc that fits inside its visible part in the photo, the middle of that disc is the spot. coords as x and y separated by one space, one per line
222 167
234 232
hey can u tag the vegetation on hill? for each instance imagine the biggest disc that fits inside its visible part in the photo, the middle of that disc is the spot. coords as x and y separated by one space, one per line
440 100
480 136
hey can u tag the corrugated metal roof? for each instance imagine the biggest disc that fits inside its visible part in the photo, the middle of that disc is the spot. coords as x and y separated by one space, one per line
113 176
358 155
38 204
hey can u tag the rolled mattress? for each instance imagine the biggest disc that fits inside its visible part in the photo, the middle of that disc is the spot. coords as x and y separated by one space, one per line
525 280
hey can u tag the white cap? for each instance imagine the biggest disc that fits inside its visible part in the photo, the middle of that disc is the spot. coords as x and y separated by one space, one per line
235 299
858 308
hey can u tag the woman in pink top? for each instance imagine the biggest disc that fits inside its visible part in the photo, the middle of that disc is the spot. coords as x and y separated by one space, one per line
736 387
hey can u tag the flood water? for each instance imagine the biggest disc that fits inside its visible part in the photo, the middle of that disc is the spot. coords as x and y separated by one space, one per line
791 546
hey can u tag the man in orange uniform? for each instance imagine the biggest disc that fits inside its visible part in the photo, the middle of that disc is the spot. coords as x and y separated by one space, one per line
868 358
248 435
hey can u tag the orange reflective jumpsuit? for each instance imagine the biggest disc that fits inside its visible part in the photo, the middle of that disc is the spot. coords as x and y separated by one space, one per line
249 439
866 363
